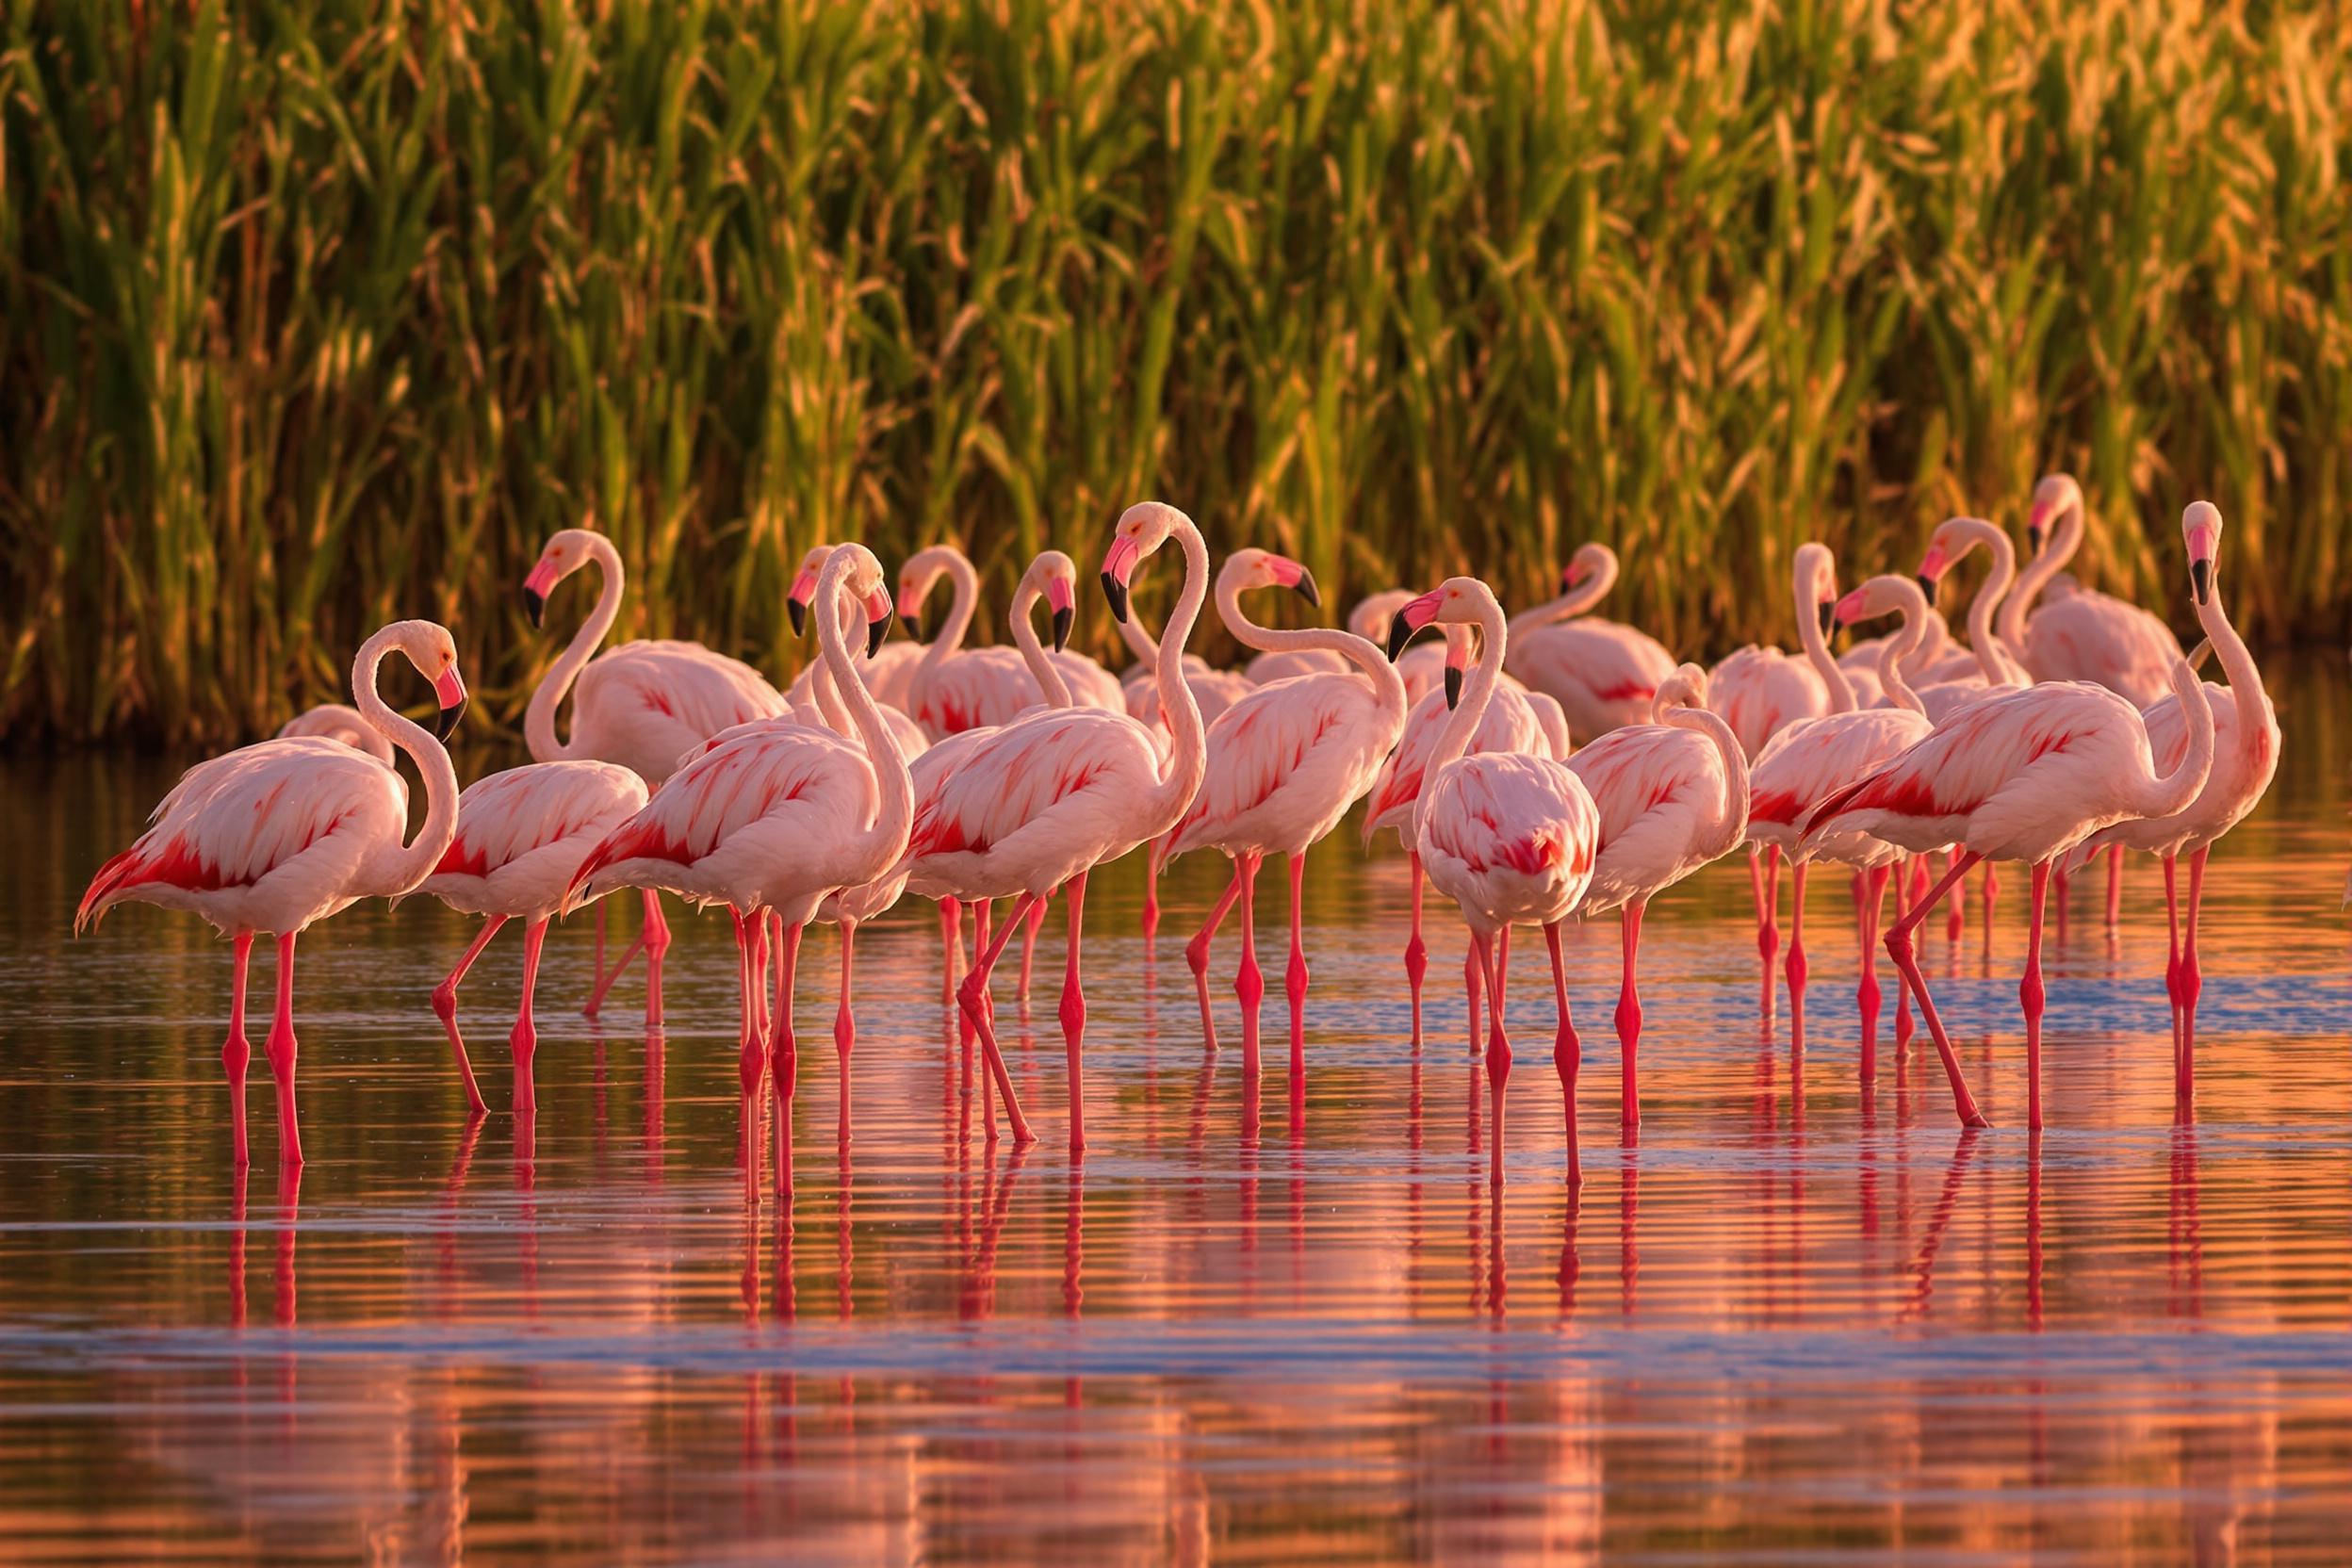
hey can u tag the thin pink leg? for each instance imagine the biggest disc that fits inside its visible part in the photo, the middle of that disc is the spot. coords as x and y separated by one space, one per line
845 1021
783 1051
1152 889
1986 895
657 939
950 945
750 1052
1497 1038
973 995
1197 956
1294 976
1567 1054
1629 1018
280 1049
2191 986
2114 885
1959 914
1416 951
596 980
444 1009
1868 995
524 1042
1900 948
2030 996
605 977
1075 1014
982 912
237 1051
1250 982
1899 878
1797 968
1029 945
1772 902
1474 983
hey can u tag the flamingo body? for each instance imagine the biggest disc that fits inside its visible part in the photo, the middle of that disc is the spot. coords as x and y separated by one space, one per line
523 833
1602 675
336 721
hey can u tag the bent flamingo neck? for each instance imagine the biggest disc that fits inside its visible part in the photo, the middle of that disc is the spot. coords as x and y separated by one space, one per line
398 868
539 736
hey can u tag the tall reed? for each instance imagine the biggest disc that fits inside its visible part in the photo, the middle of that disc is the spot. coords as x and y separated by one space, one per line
318 311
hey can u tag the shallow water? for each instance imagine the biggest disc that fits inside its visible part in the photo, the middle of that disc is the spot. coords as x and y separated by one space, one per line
1788 1326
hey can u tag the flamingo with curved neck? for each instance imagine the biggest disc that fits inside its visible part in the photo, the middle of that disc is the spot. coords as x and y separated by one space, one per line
1988 661
2087 635
1601 673
954 688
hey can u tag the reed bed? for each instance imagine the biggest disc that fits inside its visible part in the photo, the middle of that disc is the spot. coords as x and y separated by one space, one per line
314 312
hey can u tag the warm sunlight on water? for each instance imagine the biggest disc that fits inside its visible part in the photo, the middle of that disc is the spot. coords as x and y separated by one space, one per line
1783 1327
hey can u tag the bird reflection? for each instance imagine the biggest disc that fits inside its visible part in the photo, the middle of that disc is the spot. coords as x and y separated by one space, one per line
1939 1222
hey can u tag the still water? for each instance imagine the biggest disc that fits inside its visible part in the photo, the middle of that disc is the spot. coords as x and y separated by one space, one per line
1786 1326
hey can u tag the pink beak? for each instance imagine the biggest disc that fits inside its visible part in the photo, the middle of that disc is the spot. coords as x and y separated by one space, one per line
450 691
1850 607
1058 595
1932 569
803 587
1118 562
542 578
1578 571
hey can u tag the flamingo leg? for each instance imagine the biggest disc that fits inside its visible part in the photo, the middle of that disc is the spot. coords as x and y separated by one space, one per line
1985 896
1772 902
1416 951
2114 885
1767 915
2191 986
1797 969
1029 946
595 978
1152 889
1294 976
444 1009
1959 900
1898 877
1630 1018
280 1049
845 1022
657 940
974 997
523 1044
237 1051
751 1060
1497 1041
1474 983
2030 996
1867 994
783 1044
1899 947
1196 954
1073 1012
1567 1054
950 945
1249 981
605 977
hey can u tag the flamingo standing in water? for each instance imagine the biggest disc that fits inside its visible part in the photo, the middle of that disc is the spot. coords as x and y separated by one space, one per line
522 834
1672 795
1811 760
274 836
775 816
1038 804
2022 776
1510 836
643 704
338 721
2245 757
1285 764
955 688
1602 675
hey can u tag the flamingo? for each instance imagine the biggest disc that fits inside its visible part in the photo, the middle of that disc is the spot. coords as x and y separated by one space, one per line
521 834
775 816
1368 620
643 704
956 688
2025 776
2084 635
1985 667
1672 795
1285 764
1602 675
1509 723
1510 836
337 721
887 673
1038 804
1810 759
274 836
2245 757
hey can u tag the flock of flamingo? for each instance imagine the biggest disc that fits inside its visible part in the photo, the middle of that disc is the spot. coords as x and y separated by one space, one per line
1535 768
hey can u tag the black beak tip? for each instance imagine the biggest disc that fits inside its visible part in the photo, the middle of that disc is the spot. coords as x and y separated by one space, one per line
2201 581
1829 619
1453 688
1398 635
914 627
1307 590
1116 591
2033 540
1927 586
535 606
799 613
1062 620
876 633
446 722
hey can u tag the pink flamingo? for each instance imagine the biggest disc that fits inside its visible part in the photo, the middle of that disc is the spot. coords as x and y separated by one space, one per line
1368 620
1811 760
1038 804
1672 795
775 816
274 836
820 700
1284 766
1507 724
2245 757
955 688
1510 836
336 721
2084 635
2022 776
1985 667
643 704
522 834
887 673
1602 675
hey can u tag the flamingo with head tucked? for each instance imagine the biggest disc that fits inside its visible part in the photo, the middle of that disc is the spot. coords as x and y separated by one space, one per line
1039 802
275 836
1285 764
1672 795
2025 776
643 704
1510 836
1602 675
955 688
338 721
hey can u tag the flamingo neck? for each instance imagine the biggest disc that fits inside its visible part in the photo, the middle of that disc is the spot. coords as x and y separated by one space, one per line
896 815
1187 754
1733 825
2257 721
1816 646
539 719
398 868
2165 794
964 599
823 689
1388 687
1140 642
1051 686
2058 548
1898 647
1992 658
1477 692
1576 601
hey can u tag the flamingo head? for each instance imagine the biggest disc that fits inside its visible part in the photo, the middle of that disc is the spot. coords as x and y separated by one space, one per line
916 579
805 587
1462 601
1369 619
2201 528
428 645
1142 528
1251 567
1954 538
1685 688
2055 495
1590 561
566 552
1054 576
860 579
1882 596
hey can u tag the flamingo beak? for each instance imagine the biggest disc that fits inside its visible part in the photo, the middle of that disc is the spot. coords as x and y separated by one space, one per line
1931 571
1453 688
877 621
535 588
796 602
450 691
1412 621
1848 610
1829 617
1057 595
1578 571
2202 546
1457 655
1119 567
910 607
2034 526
